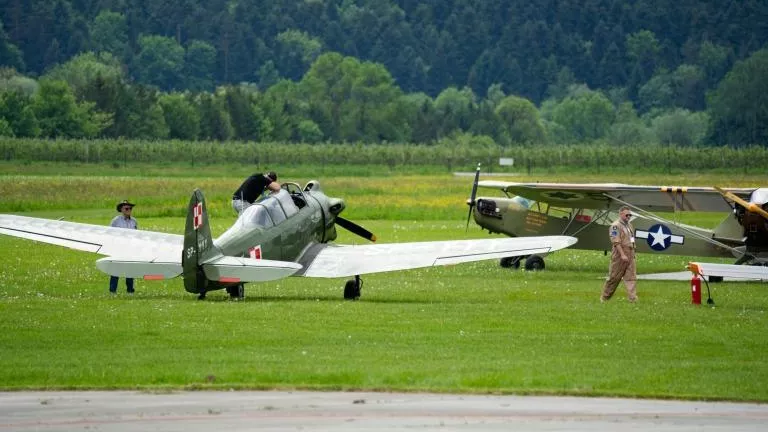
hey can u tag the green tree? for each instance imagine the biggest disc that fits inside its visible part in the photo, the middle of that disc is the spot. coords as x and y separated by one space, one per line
5 129
350 100
714 60
10 55
689 85
680 127
60 116
657 93
181 116
628 128
297 50
455 110
17 112
643 52
309 131
268 75
215 122
84 68
586 117
738 105
160 62
109 33
12 81
199 66
521 122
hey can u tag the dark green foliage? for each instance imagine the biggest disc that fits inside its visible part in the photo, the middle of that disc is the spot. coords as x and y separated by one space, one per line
354 59
739 104
426 46
60 115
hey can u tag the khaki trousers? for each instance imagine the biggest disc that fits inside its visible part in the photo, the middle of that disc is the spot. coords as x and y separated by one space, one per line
618 270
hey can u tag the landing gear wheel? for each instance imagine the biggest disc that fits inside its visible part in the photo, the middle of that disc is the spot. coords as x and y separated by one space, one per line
510 262
352 288
201 296
534 263
236 292
715 279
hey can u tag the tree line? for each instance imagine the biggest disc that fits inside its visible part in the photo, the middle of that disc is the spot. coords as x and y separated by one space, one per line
343 99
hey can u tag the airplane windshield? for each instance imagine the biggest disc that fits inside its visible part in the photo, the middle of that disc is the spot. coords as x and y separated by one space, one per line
269 211
523 202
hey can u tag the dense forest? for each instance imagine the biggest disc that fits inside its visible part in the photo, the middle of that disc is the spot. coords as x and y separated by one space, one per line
683 72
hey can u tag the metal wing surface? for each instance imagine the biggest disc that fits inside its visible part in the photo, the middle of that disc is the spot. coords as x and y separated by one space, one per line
330 261
138 245
729 270
613 195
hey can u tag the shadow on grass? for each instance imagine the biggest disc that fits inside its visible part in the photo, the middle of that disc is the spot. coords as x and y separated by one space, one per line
217 298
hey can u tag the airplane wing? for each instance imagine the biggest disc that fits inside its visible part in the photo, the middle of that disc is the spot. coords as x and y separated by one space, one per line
130 245
330 261
611 195
729 270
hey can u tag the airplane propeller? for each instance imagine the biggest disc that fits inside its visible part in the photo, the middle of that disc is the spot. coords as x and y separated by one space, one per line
355 228
471 200
747 205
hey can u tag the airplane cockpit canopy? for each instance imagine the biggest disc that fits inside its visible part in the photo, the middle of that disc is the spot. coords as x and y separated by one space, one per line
523 202
270 211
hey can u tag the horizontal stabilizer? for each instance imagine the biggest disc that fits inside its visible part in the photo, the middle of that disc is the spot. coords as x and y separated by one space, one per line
236 269
729 270
139 269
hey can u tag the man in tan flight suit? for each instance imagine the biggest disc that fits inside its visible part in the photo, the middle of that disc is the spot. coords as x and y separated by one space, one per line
622 266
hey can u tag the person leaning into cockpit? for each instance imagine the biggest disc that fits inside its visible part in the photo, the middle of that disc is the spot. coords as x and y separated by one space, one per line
252 188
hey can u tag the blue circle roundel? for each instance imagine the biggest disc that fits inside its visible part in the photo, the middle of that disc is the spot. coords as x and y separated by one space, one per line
659 237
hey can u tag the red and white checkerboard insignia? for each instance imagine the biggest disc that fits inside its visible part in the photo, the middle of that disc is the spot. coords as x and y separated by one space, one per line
197 215
255 252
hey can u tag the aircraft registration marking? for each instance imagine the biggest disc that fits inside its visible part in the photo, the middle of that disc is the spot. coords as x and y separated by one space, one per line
534 219
659 237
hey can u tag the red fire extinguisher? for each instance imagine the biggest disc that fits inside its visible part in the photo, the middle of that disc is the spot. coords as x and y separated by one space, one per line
695 289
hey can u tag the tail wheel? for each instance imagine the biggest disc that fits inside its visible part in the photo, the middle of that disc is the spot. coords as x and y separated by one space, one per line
352 288
534 263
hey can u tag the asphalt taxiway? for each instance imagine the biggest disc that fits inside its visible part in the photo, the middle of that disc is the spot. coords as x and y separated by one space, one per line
234 411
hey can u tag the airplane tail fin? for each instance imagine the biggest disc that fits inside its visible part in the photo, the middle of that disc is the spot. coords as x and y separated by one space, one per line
198 244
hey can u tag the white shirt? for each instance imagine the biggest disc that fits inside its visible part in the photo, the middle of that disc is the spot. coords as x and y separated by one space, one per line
120 221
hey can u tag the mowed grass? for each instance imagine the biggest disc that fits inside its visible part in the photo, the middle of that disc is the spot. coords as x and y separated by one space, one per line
473 328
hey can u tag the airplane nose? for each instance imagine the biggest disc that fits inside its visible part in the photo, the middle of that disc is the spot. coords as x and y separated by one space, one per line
336 206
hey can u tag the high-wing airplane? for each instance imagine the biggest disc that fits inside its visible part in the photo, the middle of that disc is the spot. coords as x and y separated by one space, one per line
288 233
585 210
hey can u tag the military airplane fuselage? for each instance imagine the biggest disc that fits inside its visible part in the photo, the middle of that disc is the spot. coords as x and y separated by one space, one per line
519 217
282 226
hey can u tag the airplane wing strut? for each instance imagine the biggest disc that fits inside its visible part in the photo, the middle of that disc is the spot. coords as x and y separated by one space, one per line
736 252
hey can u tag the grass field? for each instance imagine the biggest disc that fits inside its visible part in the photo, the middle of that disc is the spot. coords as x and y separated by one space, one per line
473 328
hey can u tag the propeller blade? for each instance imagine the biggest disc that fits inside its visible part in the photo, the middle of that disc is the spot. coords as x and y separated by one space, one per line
471 201
754 208
355 228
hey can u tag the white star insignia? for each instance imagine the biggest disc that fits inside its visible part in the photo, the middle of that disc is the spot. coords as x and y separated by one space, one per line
659 237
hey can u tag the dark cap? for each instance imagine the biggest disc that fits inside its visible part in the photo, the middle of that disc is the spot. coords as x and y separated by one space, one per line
124 203
272 175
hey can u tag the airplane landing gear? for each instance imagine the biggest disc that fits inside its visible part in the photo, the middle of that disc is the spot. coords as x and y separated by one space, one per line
534 262
511 262
352 288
